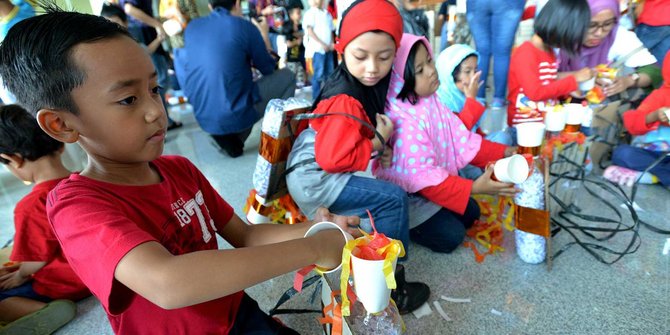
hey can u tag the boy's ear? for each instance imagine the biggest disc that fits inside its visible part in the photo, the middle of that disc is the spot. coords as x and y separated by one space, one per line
53 122
15 161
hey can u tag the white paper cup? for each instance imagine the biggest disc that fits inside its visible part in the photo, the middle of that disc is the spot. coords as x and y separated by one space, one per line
370 283
325 225
513 169
574 113
530 134
587 119
555 119
172 27
586 86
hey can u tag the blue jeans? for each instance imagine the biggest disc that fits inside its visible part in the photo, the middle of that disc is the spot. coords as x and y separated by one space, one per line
322 63
445 231
250 319
23 291
639 159
493 25
444 36
386 201
656 39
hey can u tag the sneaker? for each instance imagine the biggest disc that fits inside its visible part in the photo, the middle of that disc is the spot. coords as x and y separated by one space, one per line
45 321
408 296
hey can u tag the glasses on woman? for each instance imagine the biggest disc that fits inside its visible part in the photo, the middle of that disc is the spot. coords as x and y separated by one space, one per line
605 26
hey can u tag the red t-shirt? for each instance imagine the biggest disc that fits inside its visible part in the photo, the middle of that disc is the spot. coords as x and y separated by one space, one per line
35 241
533 75
98 223
655 13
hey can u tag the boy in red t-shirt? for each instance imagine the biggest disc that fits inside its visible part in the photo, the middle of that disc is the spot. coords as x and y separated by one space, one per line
41 272
136 227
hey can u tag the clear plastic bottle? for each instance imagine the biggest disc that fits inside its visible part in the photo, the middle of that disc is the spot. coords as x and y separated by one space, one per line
386 322
531 248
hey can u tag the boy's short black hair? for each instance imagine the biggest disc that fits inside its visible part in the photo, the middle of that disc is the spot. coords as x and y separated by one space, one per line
407 92
111 10
36 56
563 24
21 135
226 4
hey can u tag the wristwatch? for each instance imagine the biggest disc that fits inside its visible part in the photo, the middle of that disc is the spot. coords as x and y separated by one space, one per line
636 77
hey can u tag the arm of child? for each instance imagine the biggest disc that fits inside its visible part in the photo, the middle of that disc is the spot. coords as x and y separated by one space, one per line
143 17
153 46
312 35
258 48
532 85
453 193
488 152
21 275
646 117
471 113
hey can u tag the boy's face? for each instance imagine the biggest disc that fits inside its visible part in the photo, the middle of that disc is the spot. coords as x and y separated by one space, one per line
295 15
121 116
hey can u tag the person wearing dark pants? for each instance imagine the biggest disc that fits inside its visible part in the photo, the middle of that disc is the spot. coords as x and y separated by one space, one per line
639 159
445 230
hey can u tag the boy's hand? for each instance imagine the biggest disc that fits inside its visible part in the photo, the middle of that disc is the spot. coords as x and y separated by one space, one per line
12 280
485 185
349 224
9 268
584 74
473 86
384 126
509 151
663 114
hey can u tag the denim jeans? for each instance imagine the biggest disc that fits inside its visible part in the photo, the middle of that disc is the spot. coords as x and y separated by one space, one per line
639 159
656 39
444 36
493 25
445 231
322 63
386 201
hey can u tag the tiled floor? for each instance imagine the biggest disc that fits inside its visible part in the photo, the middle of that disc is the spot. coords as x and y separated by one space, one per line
579 296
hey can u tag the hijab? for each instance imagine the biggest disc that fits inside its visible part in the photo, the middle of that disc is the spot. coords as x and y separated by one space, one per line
593 56
446 63
430 142
361 17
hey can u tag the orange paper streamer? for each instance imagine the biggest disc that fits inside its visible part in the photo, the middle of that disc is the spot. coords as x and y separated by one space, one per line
274 150
534 221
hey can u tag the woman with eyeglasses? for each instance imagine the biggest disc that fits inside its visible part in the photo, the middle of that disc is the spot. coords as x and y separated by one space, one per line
605 43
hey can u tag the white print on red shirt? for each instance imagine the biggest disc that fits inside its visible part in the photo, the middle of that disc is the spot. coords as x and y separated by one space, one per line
186 210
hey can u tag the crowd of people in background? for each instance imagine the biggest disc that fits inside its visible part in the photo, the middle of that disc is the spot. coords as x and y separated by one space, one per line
371 59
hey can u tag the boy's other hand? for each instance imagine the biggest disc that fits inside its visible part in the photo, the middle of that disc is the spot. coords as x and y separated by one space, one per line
384 126
473 86
11 267
349 224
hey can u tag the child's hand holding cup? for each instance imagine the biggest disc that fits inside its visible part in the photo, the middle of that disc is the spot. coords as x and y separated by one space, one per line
663 114
586 79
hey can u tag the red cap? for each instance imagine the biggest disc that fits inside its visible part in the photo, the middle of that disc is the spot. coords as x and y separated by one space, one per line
370 15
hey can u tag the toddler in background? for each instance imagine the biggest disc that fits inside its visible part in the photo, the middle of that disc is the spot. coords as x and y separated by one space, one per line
30 289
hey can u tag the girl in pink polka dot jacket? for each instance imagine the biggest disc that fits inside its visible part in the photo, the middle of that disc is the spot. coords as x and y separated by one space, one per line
430 144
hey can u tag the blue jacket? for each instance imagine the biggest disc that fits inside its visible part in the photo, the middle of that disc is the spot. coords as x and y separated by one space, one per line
219 51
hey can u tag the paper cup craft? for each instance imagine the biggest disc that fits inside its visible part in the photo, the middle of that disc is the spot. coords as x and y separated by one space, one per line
574 115
530 134
172 27
554 119
586 86
373 259
325 225
513 169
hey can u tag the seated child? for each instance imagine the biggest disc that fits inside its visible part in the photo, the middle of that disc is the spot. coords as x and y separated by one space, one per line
533 75
459 83
649 123
41 273
139 228
430 145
